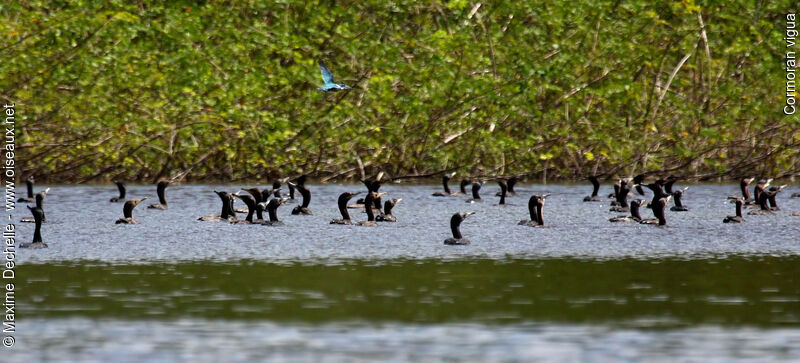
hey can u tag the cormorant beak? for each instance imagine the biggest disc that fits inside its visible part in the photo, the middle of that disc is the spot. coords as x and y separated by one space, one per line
467 214
283 200
451 174
354 194
291 183
48 190
398 200
143 199
380 195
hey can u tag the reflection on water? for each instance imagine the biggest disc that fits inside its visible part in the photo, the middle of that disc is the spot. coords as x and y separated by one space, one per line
202 340
733 291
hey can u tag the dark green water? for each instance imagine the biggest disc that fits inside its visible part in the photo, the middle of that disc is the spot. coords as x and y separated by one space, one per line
732 291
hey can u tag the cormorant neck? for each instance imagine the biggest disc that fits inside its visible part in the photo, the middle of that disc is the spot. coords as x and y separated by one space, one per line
306 195
635 210
738 209
772 201
29 184
539 207
343 208
745 191
444 184
273 213
595 187
677 197
291 190
161 191
368 203
121 188
475 192
532 209
127 209
455 222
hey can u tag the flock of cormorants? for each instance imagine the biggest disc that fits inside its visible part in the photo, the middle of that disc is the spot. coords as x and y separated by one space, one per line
763 202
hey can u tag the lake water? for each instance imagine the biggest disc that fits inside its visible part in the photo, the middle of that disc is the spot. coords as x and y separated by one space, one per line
173 288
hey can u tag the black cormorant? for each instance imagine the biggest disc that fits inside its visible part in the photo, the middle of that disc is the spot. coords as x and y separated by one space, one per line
227 211
637 181
29 186
121 188
370 201
635 216
738 217
446 192
455 222
39 204
342 203
272 210
595 190
503 191
387 215
476 196
161 191
535 207
773 203
251 209
306 193
127 211
677 195
38 217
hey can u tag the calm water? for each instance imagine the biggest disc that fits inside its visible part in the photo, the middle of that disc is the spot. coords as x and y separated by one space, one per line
173 288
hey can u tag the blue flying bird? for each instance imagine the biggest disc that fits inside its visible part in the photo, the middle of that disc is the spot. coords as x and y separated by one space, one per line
327 77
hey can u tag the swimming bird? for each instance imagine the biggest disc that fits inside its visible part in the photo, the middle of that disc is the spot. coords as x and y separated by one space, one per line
39 204
303 208
659 206
595 190
276 189
227 211
503 191
510 183
535 206
251 209
373 185
620 204
38 216
669 182
738 217
677 195
127 211
30 198
257 198
121 188
291 192
476 196
763 198
635 216
161 190
795 195
342 202
462 187
272 210
773 203
369 201
743 184
387 215
445 180
760 187
327 78
637 182
455 223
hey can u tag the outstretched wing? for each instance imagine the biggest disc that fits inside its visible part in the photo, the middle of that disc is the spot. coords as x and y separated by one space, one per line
327 77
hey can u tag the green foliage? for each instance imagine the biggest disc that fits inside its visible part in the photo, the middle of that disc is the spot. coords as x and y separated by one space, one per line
227 90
